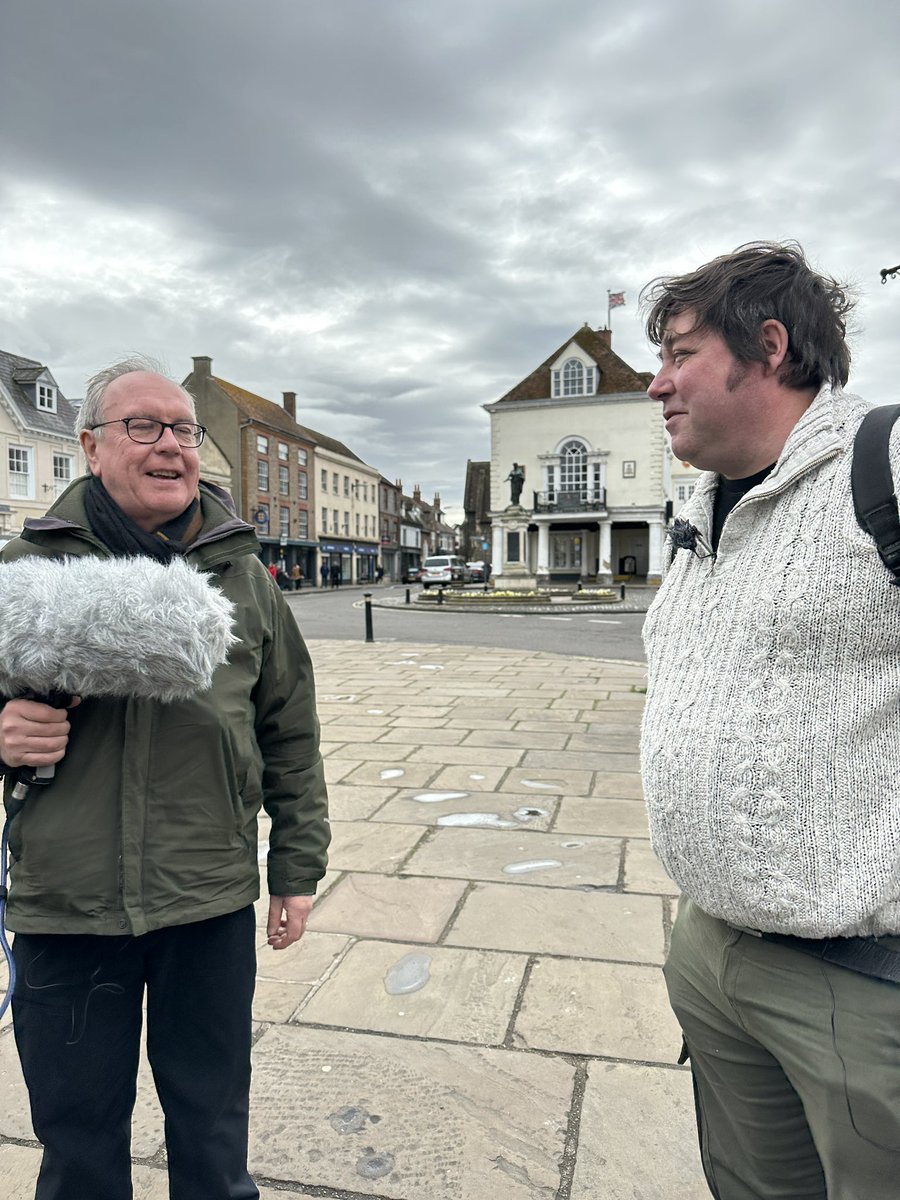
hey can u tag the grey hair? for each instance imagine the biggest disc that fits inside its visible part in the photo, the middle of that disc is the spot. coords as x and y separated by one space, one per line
91 411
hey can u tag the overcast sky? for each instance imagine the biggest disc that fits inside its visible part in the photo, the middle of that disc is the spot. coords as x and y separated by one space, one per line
399 208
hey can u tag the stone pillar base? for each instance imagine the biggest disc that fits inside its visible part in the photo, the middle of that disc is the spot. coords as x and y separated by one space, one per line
513 579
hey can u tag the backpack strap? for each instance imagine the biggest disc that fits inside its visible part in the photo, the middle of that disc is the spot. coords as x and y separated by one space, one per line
874 497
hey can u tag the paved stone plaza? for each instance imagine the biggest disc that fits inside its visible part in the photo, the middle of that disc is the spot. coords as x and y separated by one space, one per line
477 1011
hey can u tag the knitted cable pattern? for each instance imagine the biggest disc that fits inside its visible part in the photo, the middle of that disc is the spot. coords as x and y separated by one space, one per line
770 745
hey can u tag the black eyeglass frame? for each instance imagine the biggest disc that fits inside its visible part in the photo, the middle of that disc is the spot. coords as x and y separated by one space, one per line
200 433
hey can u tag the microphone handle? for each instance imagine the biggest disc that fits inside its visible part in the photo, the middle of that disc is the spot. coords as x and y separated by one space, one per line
29 777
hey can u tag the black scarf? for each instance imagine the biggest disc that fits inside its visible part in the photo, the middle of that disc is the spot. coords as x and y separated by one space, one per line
120 534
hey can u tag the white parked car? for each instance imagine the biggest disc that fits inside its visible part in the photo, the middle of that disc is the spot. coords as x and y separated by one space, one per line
444 569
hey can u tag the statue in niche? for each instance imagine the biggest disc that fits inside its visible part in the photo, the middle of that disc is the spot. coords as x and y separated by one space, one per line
516 479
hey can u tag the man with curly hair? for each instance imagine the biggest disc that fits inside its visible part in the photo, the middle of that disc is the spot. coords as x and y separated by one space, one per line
770 748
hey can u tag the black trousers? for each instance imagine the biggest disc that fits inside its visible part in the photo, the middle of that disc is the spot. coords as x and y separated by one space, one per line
77 1012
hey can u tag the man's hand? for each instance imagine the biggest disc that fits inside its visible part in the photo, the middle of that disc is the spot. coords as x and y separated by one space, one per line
33 734
287 919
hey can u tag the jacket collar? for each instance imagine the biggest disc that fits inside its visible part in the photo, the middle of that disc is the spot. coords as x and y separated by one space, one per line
220 522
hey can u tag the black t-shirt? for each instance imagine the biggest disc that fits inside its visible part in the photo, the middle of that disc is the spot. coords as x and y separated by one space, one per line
728 493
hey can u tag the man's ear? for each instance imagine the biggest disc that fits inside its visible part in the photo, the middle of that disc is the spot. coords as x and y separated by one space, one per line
774 338
89 446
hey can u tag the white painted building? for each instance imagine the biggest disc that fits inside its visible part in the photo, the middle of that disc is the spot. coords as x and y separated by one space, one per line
598 472
41 455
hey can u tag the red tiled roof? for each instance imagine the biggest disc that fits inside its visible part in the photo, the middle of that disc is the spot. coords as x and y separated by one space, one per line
615 374
266 412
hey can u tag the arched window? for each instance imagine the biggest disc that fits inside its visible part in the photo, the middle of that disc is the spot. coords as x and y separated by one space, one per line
573 472
573 378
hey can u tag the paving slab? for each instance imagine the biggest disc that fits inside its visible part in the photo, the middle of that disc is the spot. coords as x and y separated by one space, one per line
595 760
284 978
467 755
433 807
606 739
516 738
637 1136
424 737
565 727
349 802
365 846
462 995
559 782
337 769
407 1120
600 815
643 871
380 774
618 785
348 729
475 777
542 920
409 909
517 858
388 752
598 1008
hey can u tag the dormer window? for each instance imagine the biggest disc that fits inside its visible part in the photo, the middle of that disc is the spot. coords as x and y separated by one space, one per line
574 378
46 397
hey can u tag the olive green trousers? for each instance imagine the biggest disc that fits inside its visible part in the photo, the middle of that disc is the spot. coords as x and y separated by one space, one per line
796 1066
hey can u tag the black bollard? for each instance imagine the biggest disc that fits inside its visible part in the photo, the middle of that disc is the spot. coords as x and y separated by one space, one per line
370 637
440 594
407 595
622 591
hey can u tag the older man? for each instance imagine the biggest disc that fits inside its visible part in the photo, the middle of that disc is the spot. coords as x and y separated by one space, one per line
770 747
136 868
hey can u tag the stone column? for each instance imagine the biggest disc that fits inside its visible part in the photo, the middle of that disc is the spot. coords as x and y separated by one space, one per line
605 571
655 550
543 552
498 558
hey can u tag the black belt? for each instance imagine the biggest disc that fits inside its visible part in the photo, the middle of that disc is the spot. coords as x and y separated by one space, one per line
866 956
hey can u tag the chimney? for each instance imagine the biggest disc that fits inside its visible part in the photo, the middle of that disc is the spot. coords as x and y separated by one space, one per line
605 335
290 404
417 494
202 366
437 500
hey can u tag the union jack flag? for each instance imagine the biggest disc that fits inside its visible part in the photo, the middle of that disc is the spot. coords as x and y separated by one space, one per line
616 299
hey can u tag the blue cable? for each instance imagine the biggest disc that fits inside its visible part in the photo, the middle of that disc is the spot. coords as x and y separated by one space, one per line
4 940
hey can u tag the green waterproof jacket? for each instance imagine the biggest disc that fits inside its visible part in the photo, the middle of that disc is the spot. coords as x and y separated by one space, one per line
151 817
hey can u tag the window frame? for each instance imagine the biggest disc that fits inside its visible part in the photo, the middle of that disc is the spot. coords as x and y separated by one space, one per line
45 397
28 456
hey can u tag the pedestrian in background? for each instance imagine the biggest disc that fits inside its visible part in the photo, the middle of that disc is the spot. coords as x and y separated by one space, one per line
296 577
770 748
324 572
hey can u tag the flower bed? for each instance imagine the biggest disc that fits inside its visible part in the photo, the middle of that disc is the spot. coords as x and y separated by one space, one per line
543 596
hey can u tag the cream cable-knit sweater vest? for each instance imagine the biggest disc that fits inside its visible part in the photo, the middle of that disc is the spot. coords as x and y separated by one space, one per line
771 736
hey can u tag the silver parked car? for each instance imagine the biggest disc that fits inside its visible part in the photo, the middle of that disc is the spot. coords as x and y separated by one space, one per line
444 569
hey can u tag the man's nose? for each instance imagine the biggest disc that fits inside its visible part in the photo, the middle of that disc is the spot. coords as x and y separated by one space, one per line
168 441
661 385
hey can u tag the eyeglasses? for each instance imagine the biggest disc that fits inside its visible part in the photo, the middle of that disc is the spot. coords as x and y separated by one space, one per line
147 430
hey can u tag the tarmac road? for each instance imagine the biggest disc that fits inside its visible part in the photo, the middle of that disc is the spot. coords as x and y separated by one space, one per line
605 634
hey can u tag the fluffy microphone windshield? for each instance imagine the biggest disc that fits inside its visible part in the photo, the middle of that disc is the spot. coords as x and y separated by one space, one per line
110 627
